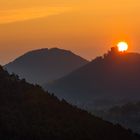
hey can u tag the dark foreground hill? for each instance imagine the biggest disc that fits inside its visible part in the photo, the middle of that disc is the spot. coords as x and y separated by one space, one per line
106 81
29 113
44 65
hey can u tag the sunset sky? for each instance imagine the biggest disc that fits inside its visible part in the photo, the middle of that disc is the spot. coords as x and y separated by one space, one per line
87 27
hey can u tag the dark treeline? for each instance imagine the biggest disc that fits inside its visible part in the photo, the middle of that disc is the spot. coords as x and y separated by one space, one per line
29 113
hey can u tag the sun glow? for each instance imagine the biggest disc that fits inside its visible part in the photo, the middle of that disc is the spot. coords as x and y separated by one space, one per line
122 46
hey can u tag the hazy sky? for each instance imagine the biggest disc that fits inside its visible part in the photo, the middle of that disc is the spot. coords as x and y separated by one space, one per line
87 27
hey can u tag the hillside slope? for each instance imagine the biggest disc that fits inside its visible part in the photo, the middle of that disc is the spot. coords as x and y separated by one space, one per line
106 81
29 113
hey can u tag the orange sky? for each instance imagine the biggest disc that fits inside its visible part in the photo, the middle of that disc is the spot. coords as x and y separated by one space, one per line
87 27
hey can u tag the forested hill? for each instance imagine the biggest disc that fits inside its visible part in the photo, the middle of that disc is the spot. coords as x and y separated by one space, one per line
29 113
111 79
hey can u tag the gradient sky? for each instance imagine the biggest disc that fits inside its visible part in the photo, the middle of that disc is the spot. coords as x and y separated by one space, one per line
87 27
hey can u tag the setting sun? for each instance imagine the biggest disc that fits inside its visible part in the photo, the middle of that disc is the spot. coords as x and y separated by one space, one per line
122 46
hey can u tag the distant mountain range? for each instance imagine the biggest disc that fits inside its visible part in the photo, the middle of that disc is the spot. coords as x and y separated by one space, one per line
45 65
106 81
29 113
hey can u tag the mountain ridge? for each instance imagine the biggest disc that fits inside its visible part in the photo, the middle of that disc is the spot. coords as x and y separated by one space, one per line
112 77
43 65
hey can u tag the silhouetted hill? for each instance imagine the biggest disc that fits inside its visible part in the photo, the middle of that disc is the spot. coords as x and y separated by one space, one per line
106 81
127 115
29 113
44 65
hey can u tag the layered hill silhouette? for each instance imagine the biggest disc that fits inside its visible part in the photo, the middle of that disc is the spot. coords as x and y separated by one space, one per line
44 65
128 115
108 80
29 113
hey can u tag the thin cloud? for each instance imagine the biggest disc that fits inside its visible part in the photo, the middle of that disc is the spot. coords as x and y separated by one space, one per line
9 16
